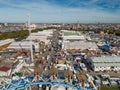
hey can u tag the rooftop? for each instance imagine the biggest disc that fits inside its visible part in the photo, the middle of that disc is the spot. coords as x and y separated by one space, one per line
80 45
4 68
110 59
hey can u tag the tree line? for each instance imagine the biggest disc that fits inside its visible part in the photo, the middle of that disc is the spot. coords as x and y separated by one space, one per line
15 34
25 33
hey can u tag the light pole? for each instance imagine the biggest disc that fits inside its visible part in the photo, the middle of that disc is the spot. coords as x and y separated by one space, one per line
29 28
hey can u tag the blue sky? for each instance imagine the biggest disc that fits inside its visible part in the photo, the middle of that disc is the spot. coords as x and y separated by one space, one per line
61 11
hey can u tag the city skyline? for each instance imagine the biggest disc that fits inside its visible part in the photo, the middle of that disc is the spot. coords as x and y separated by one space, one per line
60 11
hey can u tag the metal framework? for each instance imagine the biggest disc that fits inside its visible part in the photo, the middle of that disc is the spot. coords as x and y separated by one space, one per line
29 81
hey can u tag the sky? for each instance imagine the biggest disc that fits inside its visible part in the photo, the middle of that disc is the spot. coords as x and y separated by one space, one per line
60 11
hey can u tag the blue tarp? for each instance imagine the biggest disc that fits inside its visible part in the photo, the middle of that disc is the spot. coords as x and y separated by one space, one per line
106 47
76 54
8 53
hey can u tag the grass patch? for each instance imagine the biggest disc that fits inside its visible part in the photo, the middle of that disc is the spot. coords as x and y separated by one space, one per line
70 33
110 88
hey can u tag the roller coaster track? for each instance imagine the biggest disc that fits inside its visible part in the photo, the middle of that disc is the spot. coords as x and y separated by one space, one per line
23 83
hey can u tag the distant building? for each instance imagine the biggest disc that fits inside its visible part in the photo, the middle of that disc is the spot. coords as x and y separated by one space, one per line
106 63
79 45
76 40
33 26
7 41
20 45
36 38
41 36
